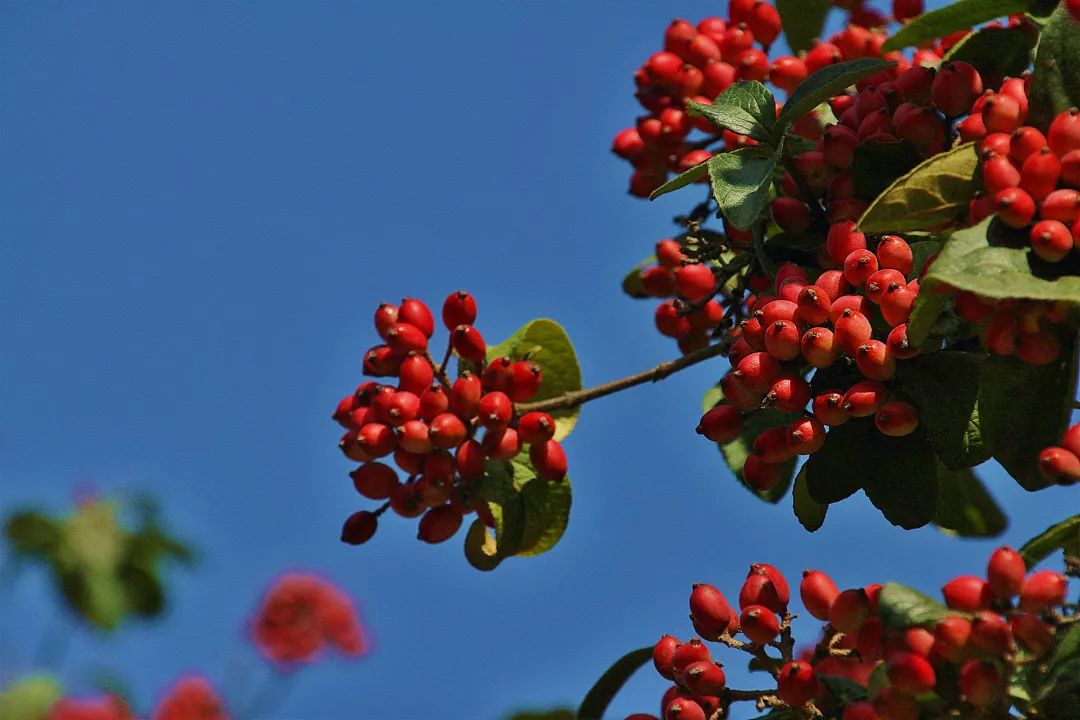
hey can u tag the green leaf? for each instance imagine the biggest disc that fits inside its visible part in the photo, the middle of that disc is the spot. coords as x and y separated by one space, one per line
936 192
996 262
554 714
944 388
32 533
30 698
803 21
1065 534
546 343
481 548
995 52
833 472
921 251
824 84
811 513
877 165
1055 83
905 488
845 691
745 108
547 508
681 180
959 15
965 508
740 183
631 284
924 315
901 607
602 692
1017 416
508 510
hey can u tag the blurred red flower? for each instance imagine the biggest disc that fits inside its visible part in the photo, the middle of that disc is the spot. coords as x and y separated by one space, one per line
301 615
191 698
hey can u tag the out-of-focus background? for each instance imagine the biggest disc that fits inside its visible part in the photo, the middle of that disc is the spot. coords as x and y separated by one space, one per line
202 205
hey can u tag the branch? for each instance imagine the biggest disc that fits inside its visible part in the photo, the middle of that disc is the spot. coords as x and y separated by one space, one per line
754 695
772 665
574 398
440 372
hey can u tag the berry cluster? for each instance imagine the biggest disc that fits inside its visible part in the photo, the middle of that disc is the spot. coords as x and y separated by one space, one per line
1032 179
1024 328
429 425
817 324
190 697
301 615
105 707
966 658
1061 464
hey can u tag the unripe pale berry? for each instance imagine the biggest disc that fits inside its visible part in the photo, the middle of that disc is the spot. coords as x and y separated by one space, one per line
797 683
722 424
896 419
1043 590
967 592
760 624
439 524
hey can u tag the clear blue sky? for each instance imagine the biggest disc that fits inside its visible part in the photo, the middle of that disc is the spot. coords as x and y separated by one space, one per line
202 204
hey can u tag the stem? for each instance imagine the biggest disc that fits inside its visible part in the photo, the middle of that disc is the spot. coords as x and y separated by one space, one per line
446 357
440 373
772 665
575 398
745 695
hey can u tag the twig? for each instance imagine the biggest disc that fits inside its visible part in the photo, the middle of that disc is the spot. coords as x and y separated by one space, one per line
440 373
579 397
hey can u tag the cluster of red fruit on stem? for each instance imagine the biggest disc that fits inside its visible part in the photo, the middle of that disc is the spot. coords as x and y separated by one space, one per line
1032 180
813 325
301 616
431 426
1027 329
190 697
1061 464
966 657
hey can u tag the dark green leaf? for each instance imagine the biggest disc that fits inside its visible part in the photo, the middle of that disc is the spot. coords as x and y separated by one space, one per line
905 488
507 508
965 508
803 21
740 183
546 343
901 607
995 52
631 284
944 388
1065 534
554 714
811 513
924 316
877 165
959 15
921 251
547 508
481 548
601 693
30 698
1055 83
681 180
833 472
1022 411
934 193
32 533
993 261
845 691
824 84
745 108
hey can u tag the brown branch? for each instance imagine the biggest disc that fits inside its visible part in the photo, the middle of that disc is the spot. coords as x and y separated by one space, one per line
440 373
575 398
772 665
748 695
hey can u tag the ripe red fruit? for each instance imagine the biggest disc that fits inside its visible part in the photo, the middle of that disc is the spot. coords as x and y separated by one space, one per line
981 683
433 402
864 398
787 72
1043 590
1000 144
783 592
760 475
405 501
843 239
736 392
955 88
849 610
819 348
1040 173
817 591
852 329
757 371
990 633
762 588
778 310
359 527
704 678
722 424
669 322
1038 348
760 624
468 343
813 305
548 459
1070 168
1064 134
374 480
375 440
536 427
682 708
1023 143
525 380
828 407
999 174
897 302
882 280
501 444
875 361
791 215
797 683
627 145
896 419
439 524
415 374
891 704
772 446
459 308
695 282
403 338
833 283
894 253
1002 113
663 656
1032 633
1059 465
416 313
1005 572
447 431
688 653
782 340
465 395
905 10
950 638
1071 440
1061 205
838 143
859 265
899 345
710 611
669 253
911 674
470 460
1015 207
822 55
861 710
967 592
765 23
1051 240
806 435
494 410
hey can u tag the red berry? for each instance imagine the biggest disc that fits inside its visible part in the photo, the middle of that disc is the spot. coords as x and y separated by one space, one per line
822 55
852 329
855 303
465 395
760 624
791 215
1022 144
757 371
416 313
999 174
1040 173
403 338
525 380
761 589
684 709
433 402
806 435
818 592
494 410
1031 633
843 239
1002 113
688 653
501 444
990 633
1064 134
447 431
955 88
1061 205
1070 168
385 317
710 611
1071 440
849 610
899 345
359 527
797 683
415 374
828 407
722 424
1015 207
864 398
628 145
469 460
772 445
819 348
374 480
548 459
459 308
862 709
704 678
663 656
859 265
782 340
759 475
911 674
1005 572
787 72
536 427
375 440
469 343
1043 590
405 501
981 683
896 419
967 592
1051 240
894 253
439 524
669 322
695 282
950 638
897 302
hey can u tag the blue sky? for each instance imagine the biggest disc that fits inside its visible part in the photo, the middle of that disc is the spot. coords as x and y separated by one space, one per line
203 204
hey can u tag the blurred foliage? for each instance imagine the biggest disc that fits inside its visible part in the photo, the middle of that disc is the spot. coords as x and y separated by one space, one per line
30 698
553 714
104 570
